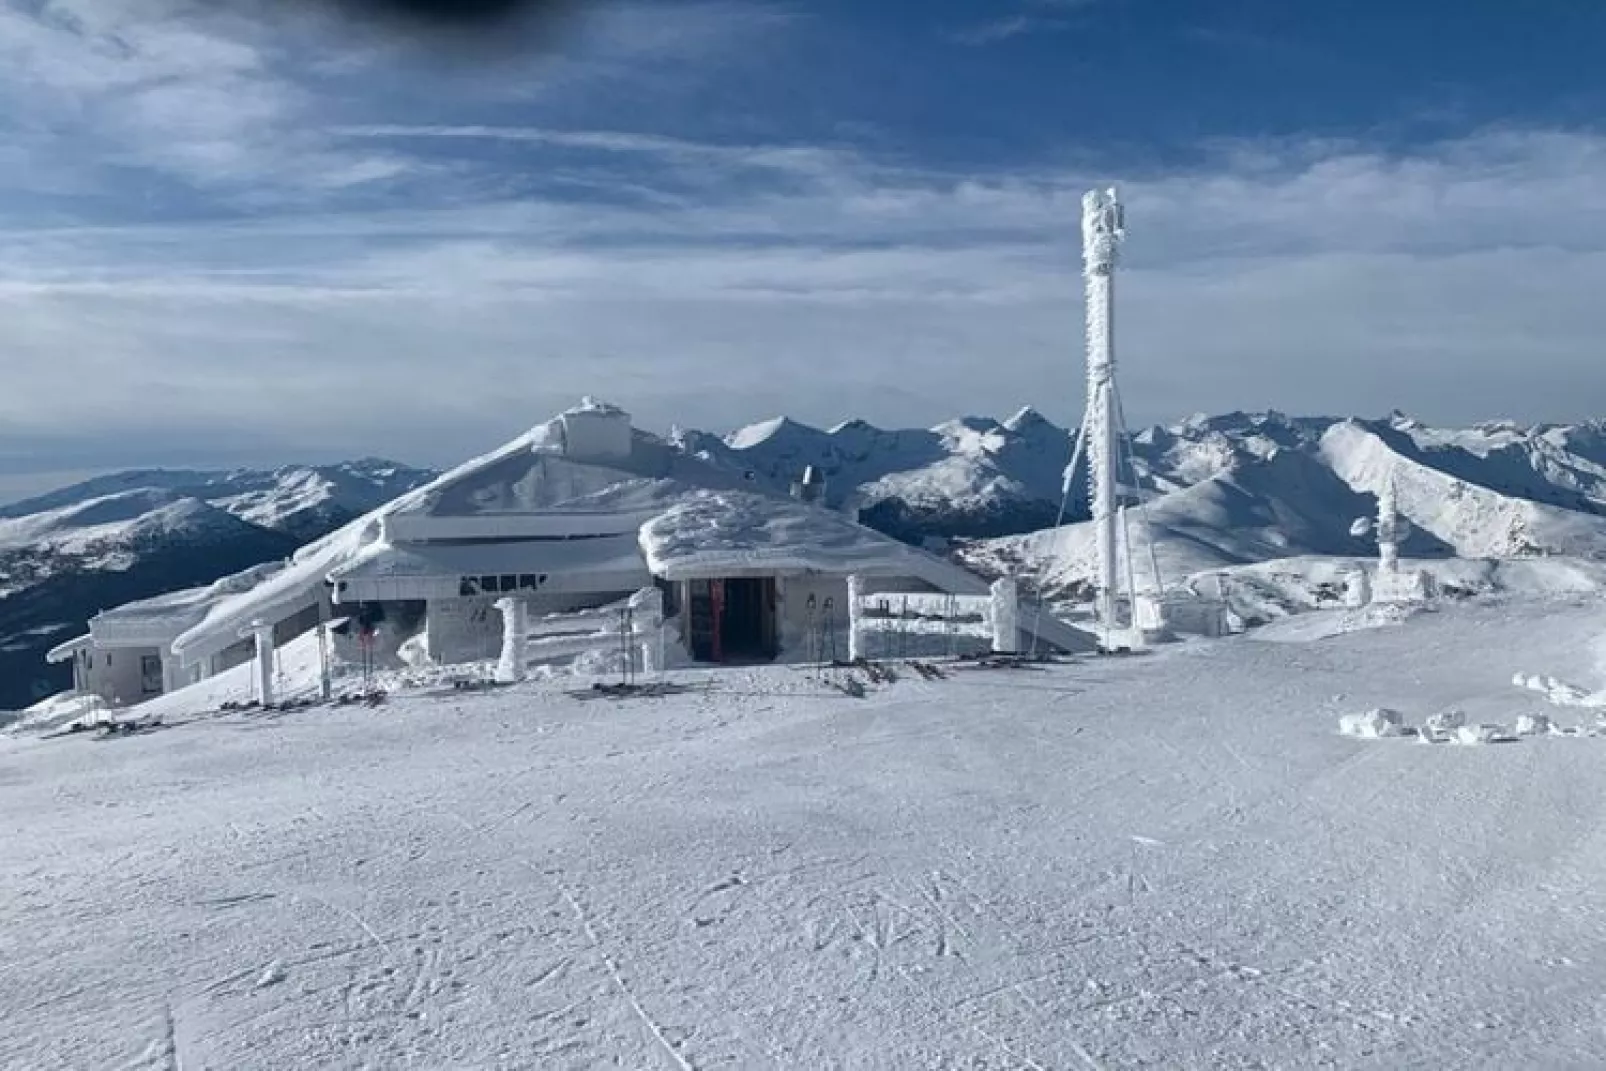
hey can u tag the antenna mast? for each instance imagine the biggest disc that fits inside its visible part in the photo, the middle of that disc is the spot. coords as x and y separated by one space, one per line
1103 229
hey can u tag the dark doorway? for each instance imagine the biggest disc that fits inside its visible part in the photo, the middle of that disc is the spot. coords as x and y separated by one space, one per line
733 620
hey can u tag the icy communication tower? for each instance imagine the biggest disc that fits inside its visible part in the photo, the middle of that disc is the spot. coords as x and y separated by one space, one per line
1103 228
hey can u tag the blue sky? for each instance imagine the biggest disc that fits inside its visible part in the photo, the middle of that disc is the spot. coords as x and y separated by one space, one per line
229 240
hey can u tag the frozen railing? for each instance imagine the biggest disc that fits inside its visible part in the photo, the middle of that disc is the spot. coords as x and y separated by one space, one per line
994 617
633 627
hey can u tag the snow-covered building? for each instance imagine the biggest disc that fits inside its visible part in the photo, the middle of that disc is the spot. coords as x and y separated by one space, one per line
127 656
578 513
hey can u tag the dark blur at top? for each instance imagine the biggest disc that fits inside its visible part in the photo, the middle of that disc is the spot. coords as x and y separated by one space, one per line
451 28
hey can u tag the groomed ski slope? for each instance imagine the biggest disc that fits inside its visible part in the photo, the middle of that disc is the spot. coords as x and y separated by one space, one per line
1167 861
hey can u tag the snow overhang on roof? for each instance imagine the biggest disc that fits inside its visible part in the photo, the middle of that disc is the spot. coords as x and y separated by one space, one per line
65 652
439 571
733 534
158 621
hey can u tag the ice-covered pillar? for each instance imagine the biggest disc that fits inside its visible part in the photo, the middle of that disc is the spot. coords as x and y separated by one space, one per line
1004 615
172 672
1103 227
855 614
1358 593
262 631
515 640
647 610
1390 530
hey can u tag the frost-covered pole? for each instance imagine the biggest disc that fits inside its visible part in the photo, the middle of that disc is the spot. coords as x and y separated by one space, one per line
855 614
1103 228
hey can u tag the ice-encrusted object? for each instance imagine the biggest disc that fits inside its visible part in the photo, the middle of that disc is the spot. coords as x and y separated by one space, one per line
1372 724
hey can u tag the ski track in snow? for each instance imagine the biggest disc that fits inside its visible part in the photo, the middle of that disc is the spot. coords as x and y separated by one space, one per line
1164 861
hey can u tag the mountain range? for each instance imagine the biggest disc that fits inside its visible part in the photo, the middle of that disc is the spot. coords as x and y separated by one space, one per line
1223 495
1210 494
67 555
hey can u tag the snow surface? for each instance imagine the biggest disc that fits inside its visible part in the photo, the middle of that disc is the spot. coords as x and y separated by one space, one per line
1161 861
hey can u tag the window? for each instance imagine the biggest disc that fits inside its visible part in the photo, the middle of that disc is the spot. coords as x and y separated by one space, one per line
527 582
509 583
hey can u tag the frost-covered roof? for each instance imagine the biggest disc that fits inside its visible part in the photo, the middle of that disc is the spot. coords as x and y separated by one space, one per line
603 555
727 534
527 475
64 652
536 477
287 592
160 619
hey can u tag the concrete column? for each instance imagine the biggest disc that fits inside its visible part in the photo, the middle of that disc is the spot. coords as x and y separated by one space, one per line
172 672
1005 616
855 635
512 666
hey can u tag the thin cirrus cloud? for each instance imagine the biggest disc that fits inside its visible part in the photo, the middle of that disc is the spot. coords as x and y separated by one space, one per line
335 282
1034 17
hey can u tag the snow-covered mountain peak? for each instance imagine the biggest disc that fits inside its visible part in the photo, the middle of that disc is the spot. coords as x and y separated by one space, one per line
1026 419
303 500
972 436
855 426
766 431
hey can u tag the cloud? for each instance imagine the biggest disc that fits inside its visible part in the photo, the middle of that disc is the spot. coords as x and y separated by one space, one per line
1031 19
1460 282
236 99
220 237
986 33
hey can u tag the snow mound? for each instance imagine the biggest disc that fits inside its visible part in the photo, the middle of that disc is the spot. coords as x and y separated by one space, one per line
1559 692
1326 624
57 712
1474 735
1534 725
1446 721
1373 724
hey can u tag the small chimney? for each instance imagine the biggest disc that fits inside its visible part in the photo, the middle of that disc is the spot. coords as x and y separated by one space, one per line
811 487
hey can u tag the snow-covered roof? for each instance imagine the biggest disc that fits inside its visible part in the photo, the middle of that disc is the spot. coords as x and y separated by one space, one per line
533 475
730 534
292 589
64 652
528 478
159 620
382 571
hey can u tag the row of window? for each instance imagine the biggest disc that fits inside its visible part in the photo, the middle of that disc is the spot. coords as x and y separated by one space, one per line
496 585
